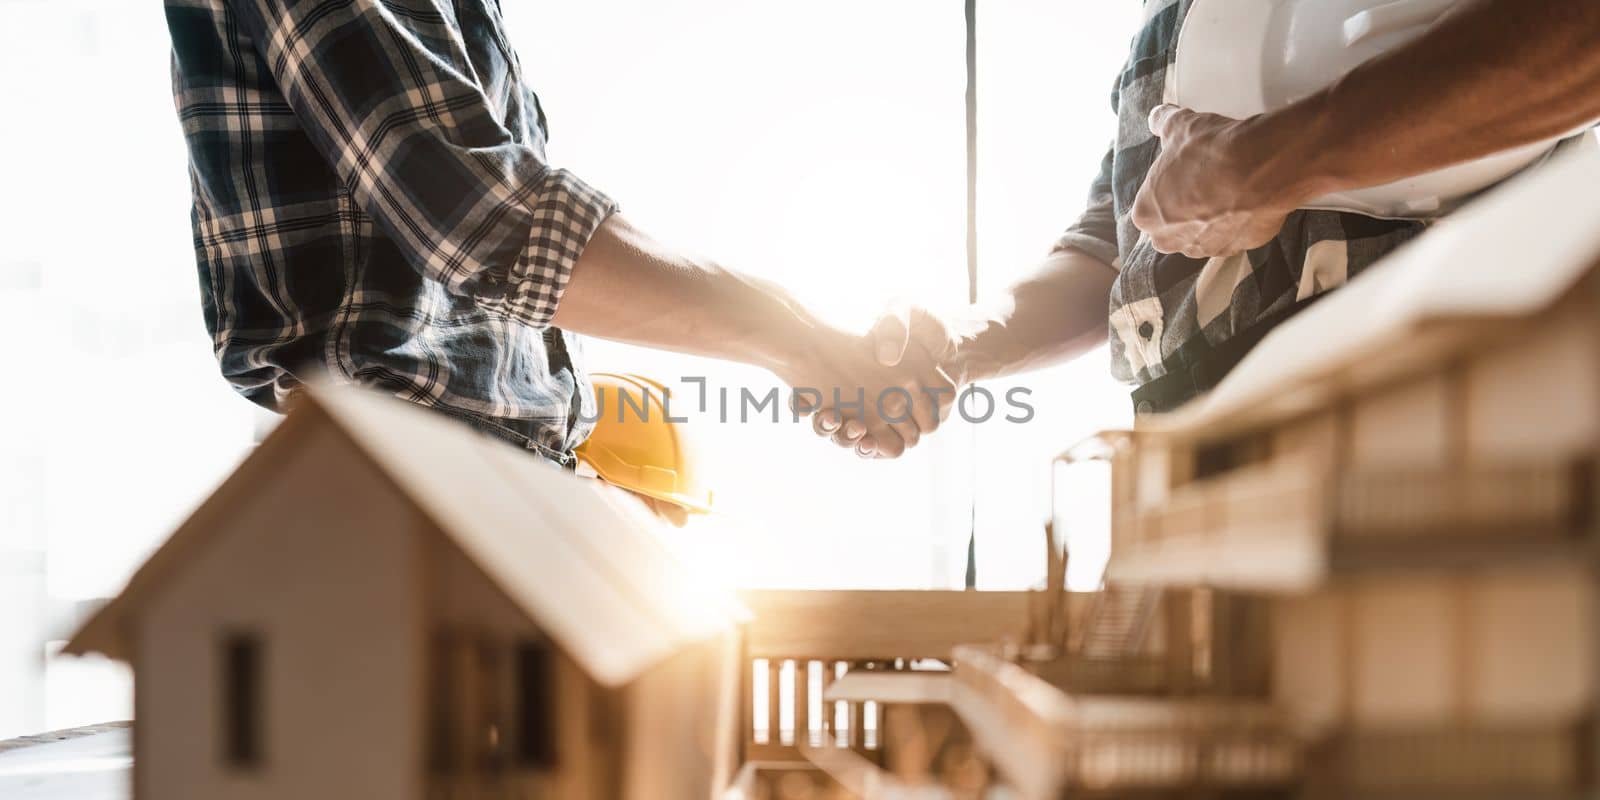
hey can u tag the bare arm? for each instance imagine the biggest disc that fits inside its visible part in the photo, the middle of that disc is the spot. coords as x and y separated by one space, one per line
630 288
1490 76
1058 311
1053 315
627 287
1493 75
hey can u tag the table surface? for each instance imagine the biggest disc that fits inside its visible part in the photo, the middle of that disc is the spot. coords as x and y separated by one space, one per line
91 763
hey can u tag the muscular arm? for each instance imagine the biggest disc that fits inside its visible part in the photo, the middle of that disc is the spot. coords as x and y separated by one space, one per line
627 287
1490 76
1058 311
1053 315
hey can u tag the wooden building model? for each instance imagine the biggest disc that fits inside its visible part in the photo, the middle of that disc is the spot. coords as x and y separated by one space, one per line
1405 475
381 603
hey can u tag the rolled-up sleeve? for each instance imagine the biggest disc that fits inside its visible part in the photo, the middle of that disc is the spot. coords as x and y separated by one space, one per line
389 99
1095 231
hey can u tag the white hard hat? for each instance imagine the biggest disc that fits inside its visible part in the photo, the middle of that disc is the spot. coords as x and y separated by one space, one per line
1240 58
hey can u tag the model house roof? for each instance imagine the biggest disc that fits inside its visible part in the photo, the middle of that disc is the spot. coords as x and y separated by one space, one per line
583 562
1506 257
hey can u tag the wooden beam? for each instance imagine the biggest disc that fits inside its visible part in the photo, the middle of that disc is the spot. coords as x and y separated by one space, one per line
879 625
893 687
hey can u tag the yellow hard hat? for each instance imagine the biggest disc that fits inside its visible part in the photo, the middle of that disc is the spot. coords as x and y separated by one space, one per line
636 447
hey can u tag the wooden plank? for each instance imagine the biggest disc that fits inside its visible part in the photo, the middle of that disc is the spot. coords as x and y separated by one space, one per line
1447 551
891 687
67 734
830 710
802 702
774 702
879 625
856 773
90 763
762 780
1035 733
1020 743
747 703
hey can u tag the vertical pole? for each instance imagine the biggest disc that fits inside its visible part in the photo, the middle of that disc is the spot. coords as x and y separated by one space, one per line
747 672
774 702
972 258
972 150
830 710
802 702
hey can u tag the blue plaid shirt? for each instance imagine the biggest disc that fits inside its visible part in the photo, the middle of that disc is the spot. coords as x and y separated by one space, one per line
372 201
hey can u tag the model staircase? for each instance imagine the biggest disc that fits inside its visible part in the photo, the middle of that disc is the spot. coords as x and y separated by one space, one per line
1118 623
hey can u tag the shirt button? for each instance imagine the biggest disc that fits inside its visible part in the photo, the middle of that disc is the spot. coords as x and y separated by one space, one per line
1146 330
1144 406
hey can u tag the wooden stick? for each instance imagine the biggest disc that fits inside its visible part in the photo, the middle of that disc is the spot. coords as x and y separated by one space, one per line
774 723
1055 588
802 702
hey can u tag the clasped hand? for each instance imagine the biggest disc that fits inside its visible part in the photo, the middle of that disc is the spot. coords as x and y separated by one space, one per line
1213 190
879 394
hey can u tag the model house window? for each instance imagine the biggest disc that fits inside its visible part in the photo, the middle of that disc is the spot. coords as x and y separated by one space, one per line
491 704
536 706
444 713
241 700
1217 458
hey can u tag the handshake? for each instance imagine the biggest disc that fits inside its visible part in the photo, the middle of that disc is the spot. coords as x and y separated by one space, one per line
879 394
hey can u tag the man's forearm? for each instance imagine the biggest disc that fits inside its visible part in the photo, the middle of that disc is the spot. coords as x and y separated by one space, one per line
1054 314
1491 76
628 287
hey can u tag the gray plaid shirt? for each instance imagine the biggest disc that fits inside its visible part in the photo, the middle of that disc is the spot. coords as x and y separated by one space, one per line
1178 324
371 200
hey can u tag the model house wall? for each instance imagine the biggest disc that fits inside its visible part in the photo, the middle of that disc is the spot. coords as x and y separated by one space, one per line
682 723
1170 641
1464 682
482 655
1527 394
1492 435
1507 649
1536 396
326 590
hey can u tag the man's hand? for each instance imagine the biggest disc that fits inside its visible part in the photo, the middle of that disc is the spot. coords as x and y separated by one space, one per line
1208 194
1489 76
925 351
1054 314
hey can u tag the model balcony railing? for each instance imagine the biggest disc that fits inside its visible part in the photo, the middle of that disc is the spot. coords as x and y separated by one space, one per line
1049 743
1122 675
1542 761
1512 500
800 642
1552 499
1248 499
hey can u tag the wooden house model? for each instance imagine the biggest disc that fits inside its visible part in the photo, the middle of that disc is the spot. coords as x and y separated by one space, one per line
382 603
1405 474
